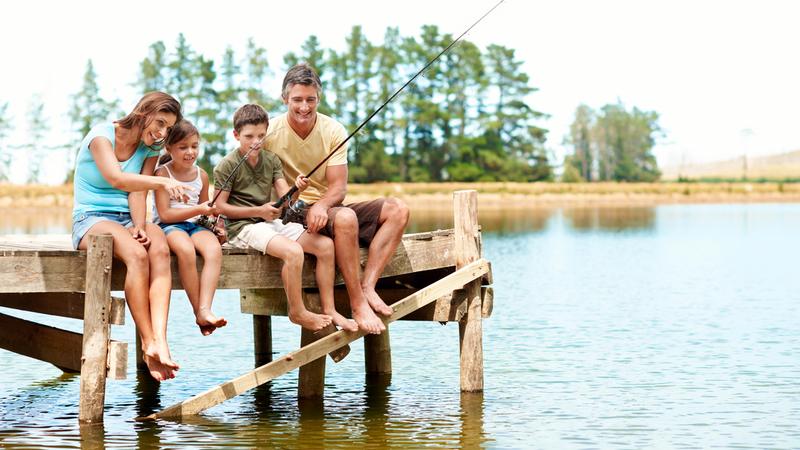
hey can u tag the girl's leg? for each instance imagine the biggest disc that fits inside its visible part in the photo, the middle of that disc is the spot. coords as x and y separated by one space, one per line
160 290
182 246
135 258
292 255
208 246
322 248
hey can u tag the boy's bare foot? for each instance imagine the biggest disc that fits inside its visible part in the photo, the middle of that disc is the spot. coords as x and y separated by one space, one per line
342 322
208 322
367 320
310 321
376 302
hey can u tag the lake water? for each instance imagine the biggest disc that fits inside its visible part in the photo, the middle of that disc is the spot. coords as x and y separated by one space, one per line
675 326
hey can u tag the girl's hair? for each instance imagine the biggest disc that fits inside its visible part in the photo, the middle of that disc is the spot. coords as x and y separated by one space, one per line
148 106
179 132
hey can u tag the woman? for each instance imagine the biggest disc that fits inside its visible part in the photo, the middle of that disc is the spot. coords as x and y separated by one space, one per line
113 172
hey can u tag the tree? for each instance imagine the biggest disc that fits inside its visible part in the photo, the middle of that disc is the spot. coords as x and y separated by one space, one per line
5 154
152 68
580 138
35 149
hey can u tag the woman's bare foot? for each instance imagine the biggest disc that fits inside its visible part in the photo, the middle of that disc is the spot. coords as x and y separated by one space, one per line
208 322
367 320
376 302
342 322
310 321
161 367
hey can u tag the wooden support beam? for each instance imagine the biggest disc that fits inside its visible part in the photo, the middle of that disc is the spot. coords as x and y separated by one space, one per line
63 304
378 353
58 347
311 378
302 356
97 308
262 339
470 328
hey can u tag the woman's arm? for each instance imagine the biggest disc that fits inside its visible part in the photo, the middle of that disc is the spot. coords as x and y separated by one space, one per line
167 214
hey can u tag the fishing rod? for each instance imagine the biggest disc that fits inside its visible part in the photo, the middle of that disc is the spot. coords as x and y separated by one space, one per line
286 197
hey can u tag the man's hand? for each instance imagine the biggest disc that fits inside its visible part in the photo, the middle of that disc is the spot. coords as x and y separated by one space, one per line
139 234
269 212
317 217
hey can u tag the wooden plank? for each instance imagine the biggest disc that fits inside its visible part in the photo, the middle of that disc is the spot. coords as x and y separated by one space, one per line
467 249
65 271
117 360
61 348
63 304
302 356
95 328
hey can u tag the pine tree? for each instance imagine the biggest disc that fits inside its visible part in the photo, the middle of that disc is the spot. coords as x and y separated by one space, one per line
5 151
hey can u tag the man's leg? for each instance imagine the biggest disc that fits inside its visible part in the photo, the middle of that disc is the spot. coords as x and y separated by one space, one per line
391 224
345 230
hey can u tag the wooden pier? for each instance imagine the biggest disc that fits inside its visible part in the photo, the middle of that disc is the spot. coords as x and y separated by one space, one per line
436 276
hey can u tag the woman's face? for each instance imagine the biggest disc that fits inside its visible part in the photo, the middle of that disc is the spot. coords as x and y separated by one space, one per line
158 128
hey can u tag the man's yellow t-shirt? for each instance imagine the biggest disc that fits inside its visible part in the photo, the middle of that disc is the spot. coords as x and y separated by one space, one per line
299 156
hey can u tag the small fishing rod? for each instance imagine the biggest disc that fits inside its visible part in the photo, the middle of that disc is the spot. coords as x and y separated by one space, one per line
286 197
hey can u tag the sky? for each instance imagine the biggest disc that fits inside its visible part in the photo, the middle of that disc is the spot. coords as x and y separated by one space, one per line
724 76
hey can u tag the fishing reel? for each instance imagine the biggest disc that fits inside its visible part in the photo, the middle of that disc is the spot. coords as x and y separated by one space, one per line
296 212
209 223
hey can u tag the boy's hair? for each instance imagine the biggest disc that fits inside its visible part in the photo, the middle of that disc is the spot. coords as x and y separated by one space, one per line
249 114
150 104
301 74
179 132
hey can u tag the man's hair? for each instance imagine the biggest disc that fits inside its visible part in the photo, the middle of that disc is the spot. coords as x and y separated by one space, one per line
249 114
301 74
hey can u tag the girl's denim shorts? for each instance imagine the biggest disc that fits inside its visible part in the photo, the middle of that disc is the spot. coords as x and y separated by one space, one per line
82 222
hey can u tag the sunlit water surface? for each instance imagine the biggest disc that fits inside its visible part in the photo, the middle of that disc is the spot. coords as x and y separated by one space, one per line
650 327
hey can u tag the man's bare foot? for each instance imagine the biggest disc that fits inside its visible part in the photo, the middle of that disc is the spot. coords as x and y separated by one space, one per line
342 322
208 322
376 302
367 320
310 321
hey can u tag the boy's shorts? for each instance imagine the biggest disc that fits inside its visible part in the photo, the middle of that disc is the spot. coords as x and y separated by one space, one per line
81 223
189 228
258 235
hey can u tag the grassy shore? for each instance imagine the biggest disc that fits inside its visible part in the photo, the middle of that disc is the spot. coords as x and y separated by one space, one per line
500 195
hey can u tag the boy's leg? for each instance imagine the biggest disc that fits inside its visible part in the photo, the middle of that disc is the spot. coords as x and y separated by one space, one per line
322 248
292 255
208 247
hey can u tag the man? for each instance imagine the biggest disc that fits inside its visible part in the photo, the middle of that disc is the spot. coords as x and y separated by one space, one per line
301 138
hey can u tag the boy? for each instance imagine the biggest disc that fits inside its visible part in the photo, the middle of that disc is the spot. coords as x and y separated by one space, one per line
252 221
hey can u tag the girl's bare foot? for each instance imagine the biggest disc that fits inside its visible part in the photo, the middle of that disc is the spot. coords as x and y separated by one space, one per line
376 302
342 322
208 322
367 320
310 321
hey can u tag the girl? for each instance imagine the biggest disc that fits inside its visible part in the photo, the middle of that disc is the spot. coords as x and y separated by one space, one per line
184 236
113 172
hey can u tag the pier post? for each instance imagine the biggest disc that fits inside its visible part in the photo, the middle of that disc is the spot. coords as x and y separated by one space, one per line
94 359
470 327
378 353
262 339
311 380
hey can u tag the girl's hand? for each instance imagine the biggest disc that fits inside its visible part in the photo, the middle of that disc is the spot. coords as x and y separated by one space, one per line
301 183
140 235
177 190
208 210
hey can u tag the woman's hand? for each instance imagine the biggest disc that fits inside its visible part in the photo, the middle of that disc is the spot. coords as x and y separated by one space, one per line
140 235
176 189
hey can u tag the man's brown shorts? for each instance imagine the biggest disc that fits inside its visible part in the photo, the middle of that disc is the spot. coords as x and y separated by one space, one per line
368 214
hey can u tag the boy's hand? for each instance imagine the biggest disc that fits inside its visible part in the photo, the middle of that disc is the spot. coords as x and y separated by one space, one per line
269 212
222 235
301 183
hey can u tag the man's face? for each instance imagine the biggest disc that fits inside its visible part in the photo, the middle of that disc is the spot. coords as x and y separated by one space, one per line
249 135
302 103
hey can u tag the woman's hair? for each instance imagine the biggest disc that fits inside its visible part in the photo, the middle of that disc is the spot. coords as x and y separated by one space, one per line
148 106
179 132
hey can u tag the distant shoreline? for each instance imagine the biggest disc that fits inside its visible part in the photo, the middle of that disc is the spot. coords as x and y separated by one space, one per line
497 195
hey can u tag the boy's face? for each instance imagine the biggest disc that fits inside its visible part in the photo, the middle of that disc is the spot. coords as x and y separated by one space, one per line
249 135
302 103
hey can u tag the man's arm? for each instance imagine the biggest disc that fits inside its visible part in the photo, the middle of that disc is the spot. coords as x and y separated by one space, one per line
317 216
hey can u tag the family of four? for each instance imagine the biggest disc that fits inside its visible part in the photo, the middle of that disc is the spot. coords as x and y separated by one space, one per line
118 164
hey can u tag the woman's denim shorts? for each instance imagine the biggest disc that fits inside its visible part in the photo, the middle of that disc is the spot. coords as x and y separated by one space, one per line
82 222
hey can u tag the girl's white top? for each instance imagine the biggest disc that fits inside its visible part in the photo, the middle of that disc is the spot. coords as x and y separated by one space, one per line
194 194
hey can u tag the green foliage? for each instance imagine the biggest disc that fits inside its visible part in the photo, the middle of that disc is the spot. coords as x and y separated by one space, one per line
614 144
34 150
5 154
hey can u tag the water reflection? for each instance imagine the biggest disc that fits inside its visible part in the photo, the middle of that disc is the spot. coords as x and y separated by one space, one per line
472 435
611 218
30 220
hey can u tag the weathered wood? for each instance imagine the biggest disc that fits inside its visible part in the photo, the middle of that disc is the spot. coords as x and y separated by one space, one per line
140 364
448 308
64 270
319 348
61 348
311 378
378 353
62 304
117 360
262 339
95 328
254 299
470 328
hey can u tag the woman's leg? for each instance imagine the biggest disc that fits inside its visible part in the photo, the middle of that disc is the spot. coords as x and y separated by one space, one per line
160 290
208 246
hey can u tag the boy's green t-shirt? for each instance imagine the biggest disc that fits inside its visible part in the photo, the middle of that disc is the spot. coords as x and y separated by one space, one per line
249 186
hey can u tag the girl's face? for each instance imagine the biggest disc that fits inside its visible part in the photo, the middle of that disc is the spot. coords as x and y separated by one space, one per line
184 152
